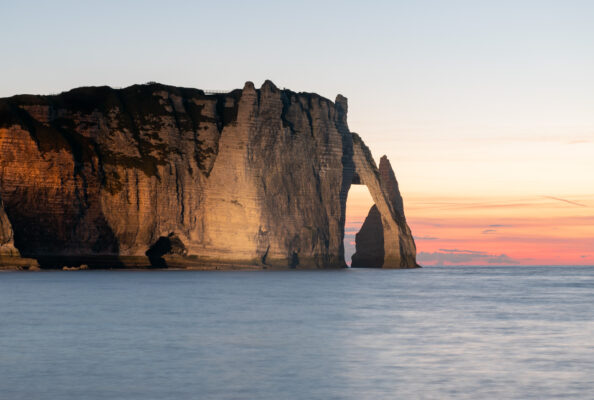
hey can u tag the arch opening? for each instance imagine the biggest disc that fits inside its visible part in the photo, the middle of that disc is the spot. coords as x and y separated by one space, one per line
359 205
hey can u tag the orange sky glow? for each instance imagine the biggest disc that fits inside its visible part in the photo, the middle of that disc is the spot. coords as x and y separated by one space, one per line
541 230
484 108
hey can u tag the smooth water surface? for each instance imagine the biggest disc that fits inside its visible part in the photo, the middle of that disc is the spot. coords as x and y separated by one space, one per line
440 332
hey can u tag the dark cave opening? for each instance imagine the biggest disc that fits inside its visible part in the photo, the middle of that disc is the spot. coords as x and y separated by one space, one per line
165 245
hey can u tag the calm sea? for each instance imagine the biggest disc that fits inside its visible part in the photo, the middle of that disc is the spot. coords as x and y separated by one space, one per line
434 333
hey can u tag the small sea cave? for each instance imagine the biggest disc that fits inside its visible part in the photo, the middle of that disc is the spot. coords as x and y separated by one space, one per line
165 245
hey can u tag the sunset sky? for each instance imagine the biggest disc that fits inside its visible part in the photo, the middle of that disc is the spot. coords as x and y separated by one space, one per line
484 108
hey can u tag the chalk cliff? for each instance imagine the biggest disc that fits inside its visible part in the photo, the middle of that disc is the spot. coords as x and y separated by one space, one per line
154 175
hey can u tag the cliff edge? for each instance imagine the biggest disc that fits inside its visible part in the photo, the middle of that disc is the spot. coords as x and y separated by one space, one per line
162 176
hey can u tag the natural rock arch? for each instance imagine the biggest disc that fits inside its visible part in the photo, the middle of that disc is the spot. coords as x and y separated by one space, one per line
253 177
385 239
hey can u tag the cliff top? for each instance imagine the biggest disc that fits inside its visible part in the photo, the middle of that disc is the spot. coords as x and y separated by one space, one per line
89 98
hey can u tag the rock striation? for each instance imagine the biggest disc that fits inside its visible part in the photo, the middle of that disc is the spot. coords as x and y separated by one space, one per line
162 176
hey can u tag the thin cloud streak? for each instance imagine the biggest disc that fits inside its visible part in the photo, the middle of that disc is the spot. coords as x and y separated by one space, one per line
566 201
457 257
426 238
515 222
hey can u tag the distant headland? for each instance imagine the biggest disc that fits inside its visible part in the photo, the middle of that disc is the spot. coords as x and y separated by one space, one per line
169 177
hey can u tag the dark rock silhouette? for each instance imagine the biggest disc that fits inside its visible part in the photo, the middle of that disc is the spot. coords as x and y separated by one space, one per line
370 242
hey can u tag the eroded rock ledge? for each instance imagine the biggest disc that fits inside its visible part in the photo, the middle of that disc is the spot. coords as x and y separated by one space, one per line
154 175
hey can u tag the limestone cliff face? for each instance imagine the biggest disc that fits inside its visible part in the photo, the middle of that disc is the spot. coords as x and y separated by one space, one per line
166 176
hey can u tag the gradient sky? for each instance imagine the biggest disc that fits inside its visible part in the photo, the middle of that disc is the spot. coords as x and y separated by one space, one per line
485 108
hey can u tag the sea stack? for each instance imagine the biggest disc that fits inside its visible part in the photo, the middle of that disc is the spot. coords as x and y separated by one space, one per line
162 176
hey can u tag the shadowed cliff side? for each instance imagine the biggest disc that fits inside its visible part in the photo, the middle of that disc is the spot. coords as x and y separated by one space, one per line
9 255
6 236
250 178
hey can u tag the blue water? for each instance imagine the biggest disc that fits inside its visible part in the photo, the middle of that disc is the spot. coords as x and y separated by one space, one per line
434 333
